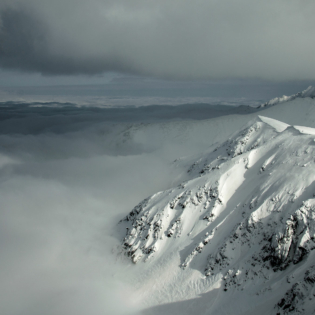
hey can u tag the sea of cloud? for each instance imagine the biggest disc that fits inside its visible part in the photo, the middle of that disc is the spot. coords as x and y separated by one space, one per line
66 179
68 174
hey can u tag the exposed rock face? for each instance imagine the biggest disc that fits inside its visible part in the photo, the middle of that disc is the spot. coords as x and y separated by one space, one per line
296 239
245 210
300 298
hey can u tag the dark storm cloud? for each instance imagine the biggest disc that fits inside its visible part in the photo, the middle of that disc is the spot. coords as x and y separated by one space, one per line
26 45
175 39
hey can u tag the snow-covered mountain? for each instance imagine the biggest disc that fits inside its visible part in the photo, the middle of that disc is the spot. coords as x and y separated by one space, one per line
239 226
309 92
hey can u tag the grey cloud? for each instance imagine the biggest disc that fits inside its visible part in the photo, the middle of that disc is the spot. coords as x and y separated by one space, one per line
59 209
26 43
22 39
173 39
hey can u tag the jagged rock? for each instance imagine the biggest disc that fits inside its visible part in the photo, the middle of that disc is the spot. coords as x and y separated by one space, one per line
295 299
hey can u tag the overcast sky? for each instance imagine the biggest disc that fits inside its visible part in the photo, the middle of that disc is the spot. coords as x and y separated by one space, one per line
177 39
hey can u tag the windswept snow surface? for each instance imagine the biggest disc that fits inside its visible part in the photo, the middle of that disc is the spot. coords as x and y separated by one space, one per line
236 234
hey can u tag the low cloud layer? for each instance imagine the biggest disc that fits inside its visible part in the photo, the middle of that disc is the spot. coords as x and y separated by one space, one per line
172 39
65 183
67 176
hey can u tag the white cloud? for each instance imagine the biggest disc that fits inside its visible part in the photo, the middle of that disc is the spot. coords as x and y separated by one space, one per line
62 195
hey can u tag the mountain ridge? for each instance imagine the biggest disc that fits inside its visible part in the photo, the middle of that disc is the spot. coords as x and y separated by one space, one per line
309 92
243 212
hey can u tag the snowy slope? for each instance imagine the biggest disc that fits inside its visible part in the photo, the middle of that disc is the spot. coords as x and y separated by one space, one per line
241 220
